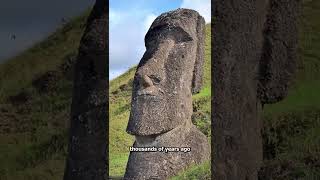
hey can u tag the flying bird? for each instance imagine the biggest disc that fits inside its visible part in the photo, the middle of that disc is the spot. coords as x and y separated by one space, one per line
13 37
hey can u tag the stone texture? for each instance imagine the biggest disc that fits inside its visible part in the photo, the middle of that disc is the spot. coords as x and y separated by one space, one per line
167 75
254 57
87 158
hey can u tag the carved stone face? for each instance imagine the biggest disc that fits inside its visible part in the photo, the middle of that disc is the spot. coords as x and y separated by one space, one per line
162 96
168 73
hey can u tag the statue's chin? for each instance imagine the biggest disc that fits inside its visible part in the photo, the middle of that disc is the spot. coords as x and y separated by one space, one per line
144 165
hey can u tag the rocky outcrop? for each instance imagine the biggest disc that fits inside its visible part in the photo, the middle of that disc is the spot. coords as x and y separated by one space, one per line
161 108
87 158
254 59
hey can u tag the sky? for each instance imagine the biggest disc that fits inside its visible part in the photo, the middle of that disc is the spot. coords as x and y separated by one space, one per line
33 20
129 22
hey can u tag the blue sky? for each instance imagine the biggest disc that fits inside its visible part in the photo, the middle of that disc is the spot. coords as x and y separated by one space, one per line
130 20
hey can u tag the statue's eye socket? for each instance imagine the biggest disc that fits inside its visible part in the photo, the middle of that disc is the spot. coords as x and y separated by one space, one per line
155 79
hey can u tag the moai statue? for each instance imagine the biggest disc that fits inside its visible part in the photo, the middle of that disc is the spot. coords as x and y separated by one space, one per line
254 60
161 108
87 158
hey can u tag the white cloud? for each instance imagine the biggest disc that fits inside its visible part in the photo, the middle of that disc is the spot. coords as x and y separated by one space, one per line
202 6
127 31
114 17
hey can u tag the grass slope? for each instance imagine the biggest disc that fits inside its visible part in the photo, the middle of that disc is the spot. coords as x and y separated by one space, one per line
33 121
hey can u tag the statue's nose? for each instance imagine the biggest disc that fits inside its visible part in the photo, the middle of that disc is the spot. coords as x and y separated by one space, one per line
146 81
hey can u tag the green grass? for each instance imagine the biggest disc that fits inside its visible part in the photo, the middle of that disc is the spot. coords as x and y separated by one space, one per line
305 95
195 172
204 93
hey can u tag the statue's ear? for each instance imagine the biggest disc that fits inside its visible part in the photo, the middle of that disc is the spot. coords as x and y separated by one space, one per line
199 62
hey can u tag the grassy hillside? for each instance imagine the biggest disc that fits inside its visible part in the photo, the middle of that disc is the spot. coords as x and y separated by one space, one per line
35 97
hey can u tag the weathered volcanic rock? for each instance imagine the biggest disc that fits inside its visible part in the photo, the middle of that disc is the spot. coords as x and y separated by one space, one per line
167 75
254 57
87 158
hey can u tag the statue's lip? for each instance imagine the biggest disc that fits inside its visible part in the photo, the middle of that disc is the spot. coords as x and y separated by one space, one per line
154 135
139 95
146 94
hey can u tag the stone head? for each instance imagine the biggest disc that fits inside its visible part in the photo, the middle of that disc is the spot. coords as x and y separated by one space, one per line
168 73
